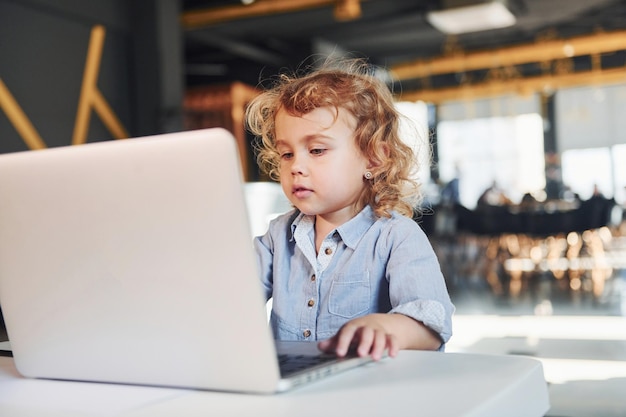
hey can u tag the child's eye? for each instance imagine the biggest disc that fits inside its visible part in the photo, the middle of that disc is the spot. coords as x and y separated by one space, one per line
286 155
318 151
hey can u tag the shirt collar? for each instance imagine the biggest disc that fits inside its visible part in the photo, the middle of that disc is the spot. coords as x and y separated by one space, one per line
351 231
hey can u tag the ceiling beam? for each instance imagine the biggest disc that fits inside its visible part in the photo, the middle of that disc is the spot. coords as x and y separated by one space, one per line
540 51
518 86
343 10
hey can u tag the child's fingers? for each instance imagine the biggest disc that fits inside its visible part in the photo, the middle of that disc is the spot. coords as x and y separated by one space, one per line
393 346
367 337
344 338
380 343
326 345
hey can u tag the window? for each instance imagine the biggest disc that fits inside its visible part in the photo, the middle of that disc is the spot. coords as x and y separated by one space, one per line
603 167
505 150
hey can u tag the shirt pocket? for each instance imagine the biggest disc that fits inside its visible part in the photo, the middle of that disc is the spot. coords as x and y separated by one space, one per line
350 295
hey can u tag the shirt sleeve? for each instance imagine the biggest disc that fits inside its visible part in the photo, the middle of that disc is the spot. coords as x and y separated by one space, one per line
416 284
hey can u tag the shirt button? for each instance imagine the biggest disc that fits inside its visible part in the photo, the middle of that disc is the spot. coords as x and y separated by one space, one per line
311 302
328 251
306 333
313 278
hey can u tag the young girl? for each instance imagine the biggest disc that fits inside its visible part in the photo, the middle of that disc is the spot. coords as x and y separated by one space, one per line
348 266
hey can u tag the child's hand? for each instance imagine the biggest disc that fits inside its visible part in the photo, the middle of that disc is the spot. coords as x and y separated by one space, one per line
367 335
375 333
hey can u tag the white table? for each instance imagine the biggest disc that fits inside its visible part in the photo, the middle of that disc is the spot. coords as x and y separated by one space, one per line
413 384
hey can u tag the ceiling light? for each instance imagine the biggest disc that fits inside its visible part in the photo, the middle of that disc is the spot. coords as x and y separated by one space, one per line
471 18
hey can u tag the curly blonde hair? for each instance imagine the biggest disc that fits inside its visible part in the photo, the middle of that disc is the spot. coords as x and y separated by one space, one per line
350 85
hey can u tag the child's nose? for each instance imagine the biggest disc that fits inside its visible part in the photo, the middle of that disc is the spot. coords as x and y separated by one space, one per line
297 164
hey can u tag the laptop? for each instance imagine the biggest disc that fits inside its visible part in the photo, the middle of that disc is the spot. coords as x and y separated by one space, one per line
132 262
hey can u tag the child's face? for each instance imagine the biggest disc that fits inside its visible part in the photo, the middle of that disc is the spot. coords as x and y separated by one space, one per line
321 168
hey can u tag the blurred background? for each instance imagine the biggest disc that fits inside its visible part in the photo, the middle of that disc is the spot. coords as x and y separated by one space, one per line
520 105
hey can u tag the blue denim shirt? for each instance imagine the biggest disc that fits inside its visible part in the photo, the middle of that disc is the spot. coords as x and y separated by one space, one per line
367 265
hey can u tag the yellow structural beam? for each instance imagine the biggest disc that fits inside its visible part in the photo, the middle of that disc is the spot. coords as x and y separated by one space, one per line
519 86
540 51
19 120
343 10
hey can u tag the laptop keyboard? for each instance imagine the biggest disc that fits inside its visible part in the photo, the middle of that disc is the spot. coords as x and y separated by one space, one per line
290 364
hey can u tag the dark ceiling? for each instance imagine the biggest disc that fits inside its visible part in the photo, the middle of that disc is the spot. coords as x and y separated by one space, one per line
388 33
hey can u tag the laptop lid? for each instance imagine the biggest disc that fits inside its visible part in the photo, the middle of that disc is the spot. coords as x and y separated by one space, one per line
132 262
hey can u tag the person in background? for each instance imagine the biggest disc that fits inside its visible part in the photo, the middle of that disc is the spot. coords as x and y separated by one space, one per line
554 184
596 193
493 196
529 202
450 194
348 266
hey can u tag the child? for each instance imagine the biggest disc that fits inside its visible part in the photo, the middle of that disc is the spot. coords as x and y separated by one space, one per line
348 266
